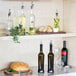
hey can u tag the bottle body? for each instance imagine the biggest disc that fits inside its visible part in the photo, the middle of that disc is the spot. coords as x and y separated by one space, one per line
22 25
20 21
41 61
56 23
50 60
64 54
32 24
50 63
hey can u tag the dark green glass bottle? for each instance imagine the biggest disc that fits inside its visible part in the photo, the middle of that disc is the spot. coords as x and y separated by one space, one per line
41 60
50 60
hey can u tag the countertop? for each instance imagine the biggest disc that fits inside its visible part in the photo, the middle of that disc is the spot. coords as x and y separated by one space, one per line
57 72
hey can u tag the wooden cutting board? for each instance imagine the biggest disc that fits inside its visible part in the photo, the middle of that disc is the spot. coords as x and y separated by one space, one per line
60 32
6 72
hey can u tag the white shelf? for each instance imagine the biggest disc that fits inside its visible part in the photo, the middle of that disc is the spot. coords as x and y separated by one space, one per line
41 36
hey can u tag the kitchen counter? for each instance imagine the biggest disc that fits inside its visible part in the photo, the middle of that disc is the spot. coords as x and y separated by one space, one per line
58 72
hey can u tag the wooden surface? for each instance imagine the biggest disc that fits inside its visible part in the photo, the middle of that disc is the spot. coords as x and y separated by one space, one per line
6 72
61 32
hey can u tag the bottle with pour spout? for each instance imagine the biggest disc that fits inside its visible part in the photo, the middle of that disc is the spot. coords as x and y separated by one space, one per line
32 20
19 20
22 21
56 22
9 22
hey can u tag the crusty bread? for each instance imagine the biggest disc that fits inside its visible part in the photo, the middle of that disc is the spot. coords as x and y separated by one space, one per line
47 28
19 66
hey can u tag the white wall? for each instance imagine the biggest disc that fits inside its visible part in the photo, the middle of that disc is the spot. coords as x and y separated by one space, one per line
44 11
70 26
28 49
70 15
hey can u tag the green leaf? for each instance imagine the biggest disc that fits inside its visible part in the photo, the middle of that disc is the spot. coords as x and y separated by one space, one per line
11 70
15 33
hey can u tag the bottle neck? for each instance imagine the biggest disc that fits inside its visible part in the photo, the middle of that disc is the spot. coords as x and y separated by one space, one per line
64 44
22 11
32 6
41 48
50 47
31 11
9 15
56 15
